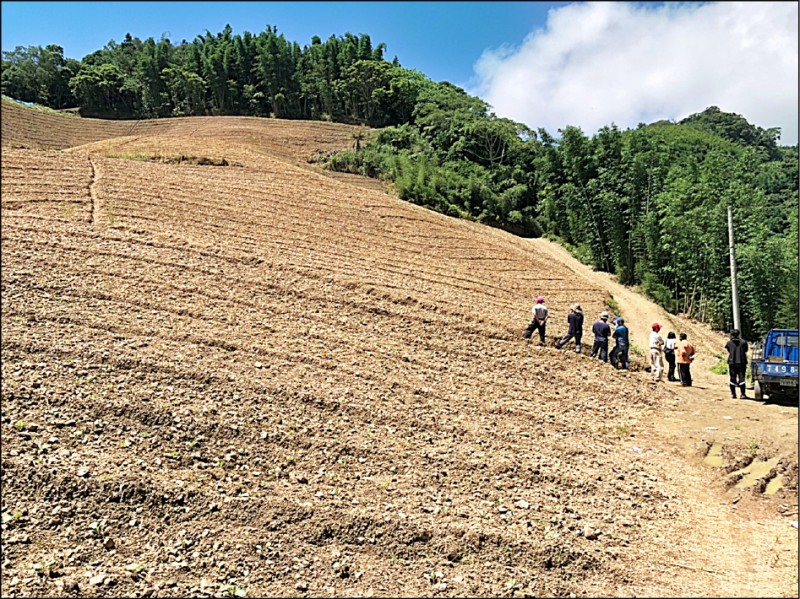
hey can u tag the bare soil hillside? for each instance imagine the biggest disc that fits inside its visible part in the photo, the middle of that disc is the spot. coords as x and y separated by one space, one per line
224 372
23 127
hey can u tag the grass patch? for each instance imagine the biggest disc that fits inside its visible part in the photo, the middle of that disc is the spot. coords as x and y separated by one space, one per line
611 304
582 252
140 156
721 367
40 108
178 159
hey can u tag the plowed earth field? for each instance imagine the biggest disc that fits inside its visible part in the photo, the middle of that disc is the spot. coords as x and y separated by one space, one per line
257 378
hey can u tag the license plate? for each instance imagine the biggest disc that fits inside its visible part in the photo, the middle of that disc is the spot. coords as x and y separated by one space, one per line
789 383
780 369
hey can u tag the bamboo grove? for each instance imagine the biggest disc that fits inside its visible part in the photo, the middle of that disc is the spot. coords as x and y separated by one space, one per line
648 204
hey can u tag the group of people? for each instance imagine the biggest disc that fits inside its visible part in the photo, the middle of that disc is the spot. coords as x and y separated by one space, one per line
601 330
677 350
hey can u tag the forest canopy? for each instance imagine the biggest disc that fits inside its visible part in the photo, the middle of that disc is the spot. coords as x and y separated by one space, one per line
648 204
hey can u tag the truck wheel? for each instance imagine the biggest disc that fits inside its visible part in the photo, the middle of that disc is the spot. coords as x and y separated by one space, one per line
757 391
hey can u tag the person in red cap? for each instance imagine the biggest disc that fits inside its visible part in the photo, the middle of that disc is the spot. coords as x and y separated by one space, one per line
656 346
539 321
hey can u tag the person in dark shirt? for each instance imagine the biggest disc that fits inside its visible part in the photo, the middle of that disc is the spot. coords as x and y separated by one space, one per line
737 363
619 355
575 320
601 332
669 353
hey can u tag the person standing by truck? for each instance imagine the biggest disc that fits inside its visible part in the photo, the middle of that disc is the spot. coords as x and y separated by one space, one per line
737 363
656 345
601 332
539 321
684 354
575 320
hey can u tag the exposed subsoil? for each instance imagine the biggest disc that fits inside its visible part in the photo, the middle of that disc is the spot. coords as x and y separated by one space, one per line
266 380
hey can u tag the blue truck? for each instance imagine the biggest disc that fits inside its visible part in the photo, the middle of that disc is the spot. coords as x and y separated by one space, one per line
773 365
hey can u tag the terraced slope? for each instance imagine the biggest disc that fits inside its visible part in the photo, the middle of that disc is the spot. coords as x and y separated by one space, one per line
256 377
23 127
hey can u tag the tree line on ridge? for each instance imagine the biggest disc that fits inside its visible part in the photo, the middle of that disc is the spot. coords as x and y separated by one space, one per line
648 204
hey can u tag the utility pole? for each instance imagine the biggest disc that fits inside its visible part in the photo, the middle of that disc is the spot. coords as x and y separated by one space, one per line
734 290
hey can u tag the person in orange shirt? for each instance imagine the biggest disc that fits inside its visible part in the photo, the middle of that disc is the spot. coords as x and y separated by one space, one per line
684 354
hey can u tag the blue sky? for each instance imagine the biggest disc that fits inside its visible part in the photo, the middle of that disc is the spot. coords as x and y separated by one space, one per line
441 39
545 64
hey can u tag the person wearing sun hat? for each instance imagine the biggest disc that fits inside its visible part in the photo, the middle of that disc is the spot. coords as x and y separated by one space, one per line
656 347
539 321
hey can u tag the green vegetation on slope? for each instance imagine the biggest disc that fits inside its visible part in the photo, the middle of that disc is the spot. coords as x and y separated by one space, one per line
648 204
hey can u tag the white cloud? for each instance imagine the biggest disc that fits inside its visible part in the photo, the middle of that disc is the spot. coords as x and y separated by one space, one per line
601 62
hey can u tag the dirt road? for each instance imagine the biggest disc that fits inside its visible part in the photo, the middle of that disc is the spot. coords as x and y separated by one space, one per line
741 532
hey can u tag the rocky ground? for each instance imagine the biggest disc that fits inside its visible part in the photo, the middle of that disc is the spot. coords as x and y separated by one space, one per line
258 380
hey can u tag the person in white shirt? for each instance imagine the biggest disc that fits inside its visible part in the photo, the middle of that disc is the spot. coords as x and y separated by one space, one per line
656 346
539 321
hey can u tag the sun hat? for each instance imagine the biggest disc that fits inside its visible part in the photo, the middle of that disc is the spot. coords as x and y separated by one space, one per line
604 315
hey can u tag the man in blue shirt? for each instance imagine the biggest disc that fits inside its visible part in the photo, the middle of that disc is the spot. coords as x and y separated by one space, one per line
619 355
601 332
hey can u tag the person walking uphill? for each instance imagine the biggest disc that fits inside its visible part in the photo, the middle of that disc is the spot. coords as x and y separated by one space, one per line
601 332
539 321
737 363
684 354
575 320
656 345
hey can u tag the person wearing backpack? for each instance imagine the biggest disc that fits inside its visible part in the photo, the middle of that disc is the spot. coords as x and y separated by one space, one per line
737 363
669 354
539 321
575 320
